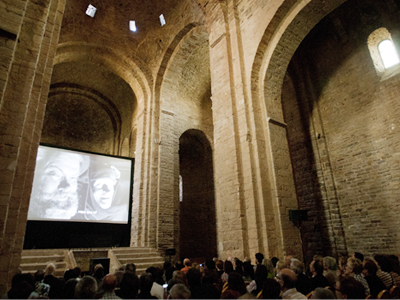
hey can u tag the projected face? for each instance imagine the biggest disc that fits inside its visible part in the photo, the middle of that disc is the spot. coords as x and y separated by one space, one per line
56 194
103 192
103 185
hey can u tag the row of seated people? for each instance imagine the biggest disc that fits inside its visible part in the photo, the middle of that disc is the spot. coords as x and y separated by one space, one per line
352 278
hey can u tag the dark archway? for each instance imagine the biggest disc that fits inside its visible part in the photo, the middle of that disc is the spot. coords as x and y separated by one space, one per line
197 209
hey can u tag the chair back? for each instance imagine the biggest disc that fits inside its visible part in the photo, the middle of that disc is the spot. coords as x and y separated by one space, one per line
383 295
394 292
309 295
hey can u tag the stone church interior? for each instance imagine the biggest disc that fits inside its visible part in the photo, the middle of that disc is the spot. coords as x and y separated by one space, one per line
254 126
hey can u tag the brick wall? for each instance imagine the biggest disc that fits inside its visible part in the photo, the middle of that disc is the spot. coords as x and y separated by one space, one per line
342 124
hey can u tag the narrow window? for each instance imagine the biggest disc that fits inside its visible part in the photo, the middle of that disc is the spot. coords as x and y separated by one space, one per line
388 54
180 189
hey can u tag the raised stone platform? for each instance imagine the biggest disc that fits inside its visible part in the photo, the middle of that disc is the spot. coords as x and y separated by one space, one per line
33 260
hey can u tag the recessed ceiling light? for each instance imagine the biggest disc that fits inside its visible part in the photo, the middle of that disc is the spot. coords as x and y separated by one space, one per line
132 26
91 10
162 20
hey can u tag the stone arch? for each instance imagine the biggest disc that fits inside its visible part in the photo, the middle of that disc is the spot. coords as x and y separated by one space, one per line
167 122
197 209
140 81
290 25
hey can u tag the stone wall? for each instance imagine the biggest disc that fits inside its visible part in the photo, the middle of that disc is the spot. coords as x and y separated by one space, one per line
342 124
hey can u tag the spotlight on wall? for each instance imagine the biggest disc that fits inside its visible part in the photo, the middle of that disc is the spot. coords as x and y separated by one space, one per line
162 20
132 26
91 10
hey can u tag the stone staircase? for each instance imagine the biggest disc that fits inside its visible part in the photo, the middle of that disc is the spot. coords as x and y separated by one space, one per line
33 260
143 258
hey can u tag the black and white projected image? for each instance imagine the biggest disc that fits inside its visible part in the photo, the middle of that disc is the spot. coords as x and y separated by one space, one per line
82 187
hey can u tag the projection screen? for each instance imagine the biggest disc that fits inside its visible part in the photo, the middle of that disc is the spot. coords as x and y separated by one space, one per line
80 187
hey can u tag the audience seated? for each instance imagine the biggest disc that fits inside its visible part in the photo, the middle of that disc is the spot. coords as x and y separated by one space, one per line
129 286
382 262
330 269
271 289
287 279
323 293
86 288
354 269
187 264
355 280
145 285
349 288
375 284
303 283
109 284
318 280
179 291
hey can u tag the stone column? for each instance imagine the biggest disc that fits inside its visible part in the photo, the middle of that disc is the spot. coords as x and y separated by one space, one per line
32 31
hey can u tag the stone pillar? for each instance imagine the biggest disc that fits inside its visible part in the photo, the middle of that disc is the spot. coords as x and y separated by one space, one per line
32 31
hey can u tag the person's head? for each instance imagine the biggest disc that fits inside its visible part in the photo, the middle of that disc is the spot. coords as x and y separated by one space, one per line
330 263
50 269
130 267
287 279
98 271
219 265
103 180
383 262
318 267
210 264
370 267
179 275
288 259
279 266
69 288
349 288
342 262
259 258
228 267
274 261
109 283
145 283
54 193
193 277
129 286
271 289
358 255
179 291
39 275
297 267
353 266
236 283
187 262
261 273
268 264
248 270
323 293
86 288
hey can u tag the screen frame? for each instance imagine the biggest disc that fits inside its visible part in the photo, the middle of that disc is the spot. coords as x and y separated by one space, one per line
77 234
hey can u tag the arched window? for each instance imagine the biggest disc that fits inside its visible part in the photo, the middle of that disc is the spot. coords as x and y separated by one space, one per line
388 53
383 53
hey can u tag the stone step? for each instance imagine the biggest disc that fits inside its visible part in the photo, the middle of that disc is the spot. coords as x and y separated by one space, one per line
42 259
134 250
44 252
155 260
138 256
41 266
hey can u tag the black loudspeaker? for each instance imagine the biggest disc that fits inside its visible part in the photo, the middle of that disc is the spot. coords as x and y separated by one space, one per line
104 261
170 252
298 215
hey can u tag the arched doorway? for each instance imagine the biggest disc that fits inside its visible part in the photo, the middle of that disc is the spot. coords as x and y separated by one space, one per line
197 206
